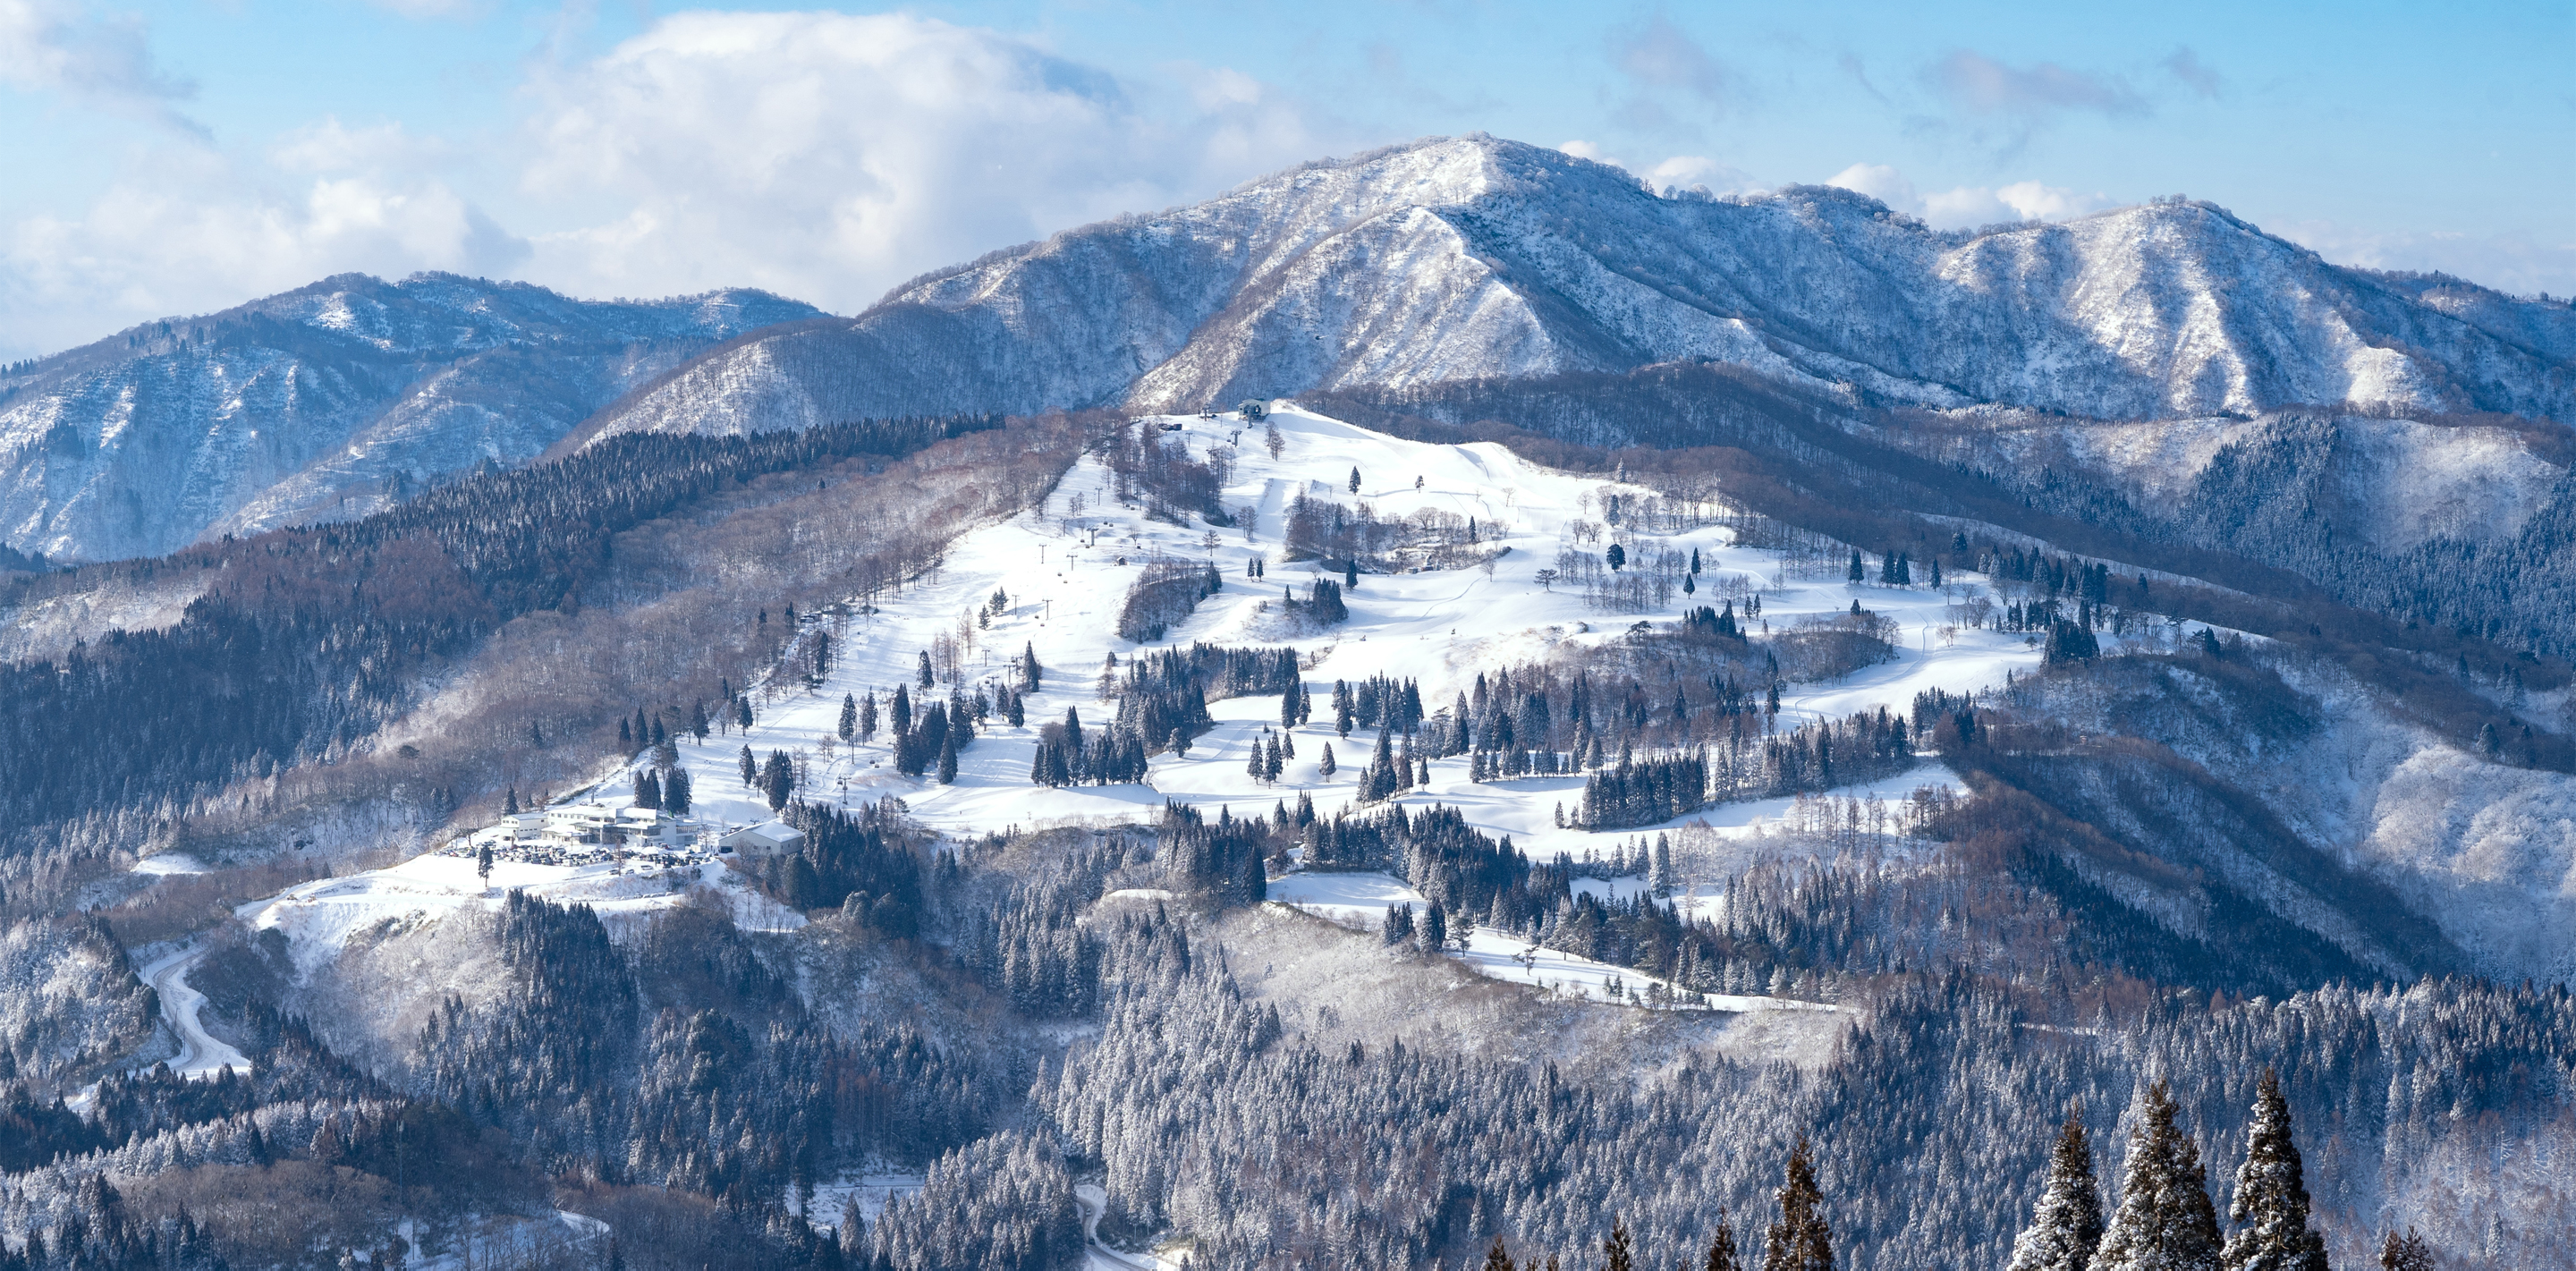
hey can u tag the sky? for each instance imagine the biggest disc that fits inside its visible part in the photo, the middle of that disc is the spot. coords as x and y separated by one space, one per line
170 157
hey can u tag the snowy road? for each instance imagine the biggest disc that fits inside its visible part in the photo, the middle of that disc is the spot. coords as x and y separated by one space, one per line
1092 1198
200 1055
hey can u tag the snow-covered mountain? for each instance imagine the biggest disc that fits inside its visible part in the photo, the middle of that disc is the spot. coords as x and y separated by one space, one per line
321 403
1474 257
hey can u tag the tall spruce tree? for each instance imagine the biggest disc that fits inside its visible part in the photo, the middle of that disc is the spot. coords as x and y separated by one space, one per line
1721 1246
1615 1254
2066 1226
2165 1221
2271 1205
849 716
1800 1240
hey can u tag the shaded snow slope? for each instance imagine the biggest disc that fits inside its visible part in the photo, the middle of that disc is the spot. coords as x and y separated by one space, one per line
321 404
1473 257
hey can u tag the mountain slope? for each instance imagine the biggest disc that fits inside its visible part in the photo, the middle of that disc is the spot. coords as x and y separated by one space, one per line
320 403
1473 257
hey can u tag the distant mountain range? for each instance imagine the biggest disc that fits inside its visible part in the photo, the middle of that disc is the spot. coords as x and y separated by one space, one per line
322 403
1439 262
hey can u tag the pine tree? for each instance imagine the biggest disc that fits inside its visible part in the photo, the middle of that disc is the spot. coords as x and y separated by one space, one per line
2165 1221
1721 1247
1324 762
902 711
948 757
2409 1252
849 716
2066 1225
1857 572
750 768
1028 668
676 795
1801 1240
924 674
698 719
625 735
510 807
1341 708
1614 1251
648 789
1355 480
2270 1209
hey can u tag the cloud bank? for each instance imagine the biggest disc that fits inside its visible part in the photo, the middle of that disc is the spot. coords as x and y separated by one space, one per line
820 155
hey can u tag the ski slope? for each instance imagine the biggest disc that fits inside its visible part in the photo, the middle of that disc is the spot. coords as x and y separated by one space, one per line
1061 572
1062 575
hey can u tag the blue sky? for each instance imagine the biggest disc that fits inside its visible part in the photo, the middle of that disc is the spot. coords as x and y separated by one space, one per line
179 156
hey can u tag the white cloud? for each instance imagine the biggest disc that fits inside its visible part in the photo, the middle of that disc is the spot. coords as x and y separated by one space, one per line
1685 171
2516 264
1983 86
822 156
1967 206
186 230
829 156
1587 150
55 46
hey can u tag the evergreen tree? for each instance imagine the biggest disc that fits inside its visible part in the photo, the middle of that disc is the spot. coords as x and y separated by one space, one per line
1324 762
868 714
948 756
648 789
1617 556
510 806
924 674
1351 574
2067 1223
1355 480
1029 668
1857 572
778 779
698 719
2270 1209
676 795
1615 1255
1341 708
2165 1221
750 768
1721 1246
742 711
902 711
2409 1252
625 735
1800 1240
849 716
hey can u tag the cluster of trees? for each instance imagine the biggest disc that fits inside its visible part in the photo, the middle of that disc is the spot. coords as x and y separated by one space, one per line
1115 755
1164 593
1644 791
866 862
1377 702
1355 537
1323 606
1146 464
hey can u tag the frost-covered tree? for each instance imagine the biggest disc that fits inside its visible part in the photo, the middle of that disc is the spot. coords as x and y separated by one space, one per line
2271 1205
2409 1252
2066 1225
2165 1221
1801 1240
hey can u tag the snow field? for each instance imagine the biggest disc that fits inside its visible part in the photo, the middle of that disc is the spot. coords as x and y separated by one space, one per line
1440 628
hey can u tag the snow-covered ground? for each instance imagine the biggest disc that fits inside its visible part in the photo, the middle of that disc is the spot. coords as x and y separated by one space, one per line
1362 899
1061 571
200 1054
1061 574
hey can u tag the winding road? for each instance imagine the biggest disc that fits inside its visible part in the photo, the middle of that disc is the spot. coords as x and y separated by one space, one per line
1092 1198
200 1055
